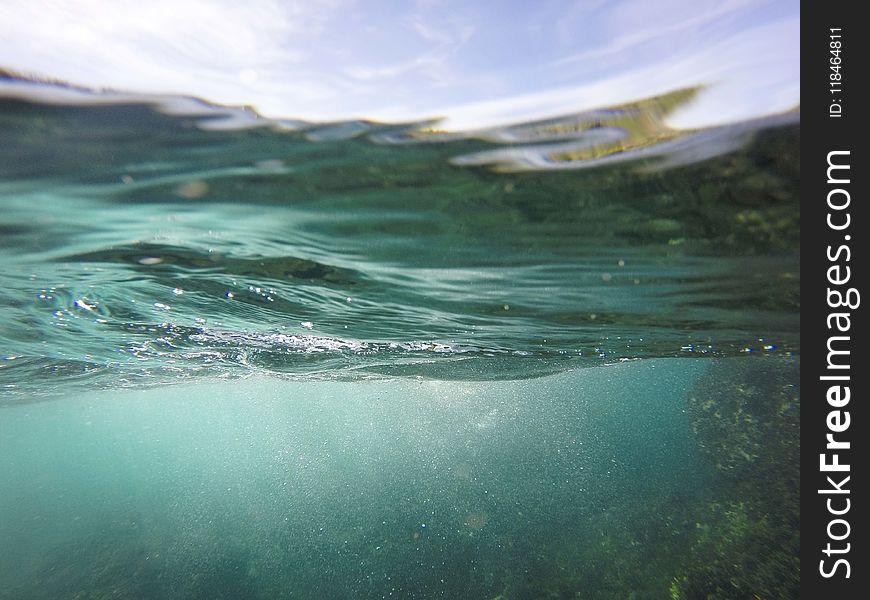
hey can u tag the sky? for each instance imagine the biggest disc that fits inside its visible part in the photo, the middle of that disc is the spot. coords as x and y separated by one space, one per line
475 64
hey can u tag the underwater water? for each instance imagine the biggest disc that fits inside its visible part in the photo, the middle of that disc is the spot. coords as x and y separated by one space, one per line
355 360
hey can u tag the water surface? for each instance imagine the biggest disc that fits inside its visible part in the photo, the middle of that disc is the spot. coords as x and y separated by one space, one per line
357 360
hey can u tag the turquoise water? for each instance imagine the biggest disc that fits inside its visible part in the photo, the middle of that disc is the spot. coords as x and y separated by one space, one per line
557 360
324 489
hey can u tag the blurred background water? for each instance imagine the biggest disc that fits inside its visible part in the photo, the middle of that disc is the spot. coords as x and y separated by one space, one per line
553 353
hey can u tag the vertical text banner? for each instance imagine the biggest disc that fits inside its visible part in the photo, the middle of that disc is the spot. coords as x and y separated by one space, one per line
834 369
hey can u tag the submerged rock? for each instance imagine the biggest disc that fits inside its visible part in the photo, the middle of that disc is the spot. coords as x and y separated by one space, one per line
746 417
745 414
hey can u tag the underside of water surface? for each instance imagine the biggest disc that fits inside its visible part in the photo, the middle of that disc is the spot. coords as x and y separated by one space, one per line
137 244
359 360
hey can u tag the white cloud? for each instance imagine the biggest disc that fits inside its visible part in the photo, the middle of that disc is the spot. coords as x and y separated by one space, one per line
640 21
158 45
774 80
450 33
336 59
